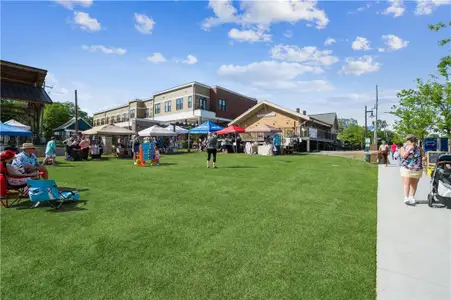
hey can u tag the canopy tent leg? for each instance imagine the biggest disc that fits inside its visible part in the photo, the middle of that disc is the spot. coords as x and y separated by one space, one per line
189 150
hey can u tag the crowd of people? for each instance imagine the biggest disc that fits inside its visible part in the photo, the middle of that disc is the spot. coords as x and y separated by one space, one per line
78 147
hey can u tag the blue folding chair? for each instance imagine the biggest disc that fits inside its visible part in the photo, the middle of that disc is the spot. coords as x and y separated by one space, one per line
47 191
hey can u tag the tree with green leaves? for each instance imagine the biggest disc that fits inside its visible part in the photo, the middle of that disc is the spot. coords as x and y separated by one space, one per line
58 113
345 123
427 108
353 134
55 115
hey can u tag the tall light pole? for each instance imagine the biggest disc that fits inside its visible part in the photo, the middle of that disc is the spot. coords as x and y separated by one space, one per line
376 108
76 112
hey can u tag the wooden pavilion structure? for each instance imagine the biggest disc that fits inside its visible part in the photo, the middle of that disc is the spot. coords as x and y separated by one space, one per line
23 93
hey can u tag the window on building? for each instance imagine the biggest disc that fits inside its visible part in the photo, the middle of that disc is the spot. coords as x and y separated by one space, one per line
179 104
157 108
132 113
103 121
190 101
107 120
222 105
167 106
203 103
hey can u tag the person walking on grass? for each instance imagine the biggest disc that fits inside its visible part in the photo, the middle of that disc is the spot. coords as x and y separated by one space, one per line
412 157
212 145
50 152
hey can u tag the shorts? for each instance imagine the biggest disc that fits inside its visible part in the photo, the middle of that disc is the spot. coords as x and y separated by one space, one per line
411 173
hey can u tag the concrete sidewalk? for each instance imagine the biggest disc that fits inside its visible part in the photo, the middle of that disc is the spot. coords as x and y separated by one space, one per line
413 243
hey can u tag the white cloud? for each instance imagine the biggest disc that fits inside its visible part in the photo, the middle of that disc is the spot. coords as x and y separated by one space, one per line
266 71
265 13
394 42
144 24
106 50
274 75
70 4
360 65
381 49
190 60
426 7
361 43
156 57
288 34
86 22
360 9
396 8
250 35
329 42
50 79
309 55
296 86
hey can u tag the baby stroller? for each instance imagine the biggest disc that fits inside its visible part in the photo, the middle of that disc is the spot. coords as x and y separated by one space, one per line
441 182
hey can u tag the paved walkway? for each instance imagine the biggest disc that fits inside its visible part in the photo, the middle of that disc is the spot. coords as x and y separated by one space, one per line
413 243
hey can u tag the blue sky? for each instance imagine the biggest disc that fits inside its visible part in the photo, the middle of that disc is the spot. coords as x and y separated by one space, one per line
113 52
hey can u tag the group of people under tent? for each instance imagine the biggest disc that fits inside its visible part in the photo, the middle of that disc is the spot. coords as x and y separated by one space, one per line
78 147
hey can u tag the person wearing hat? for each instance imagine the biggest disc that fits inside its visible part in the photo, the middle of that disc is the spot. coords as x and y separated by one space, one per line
412 157
28 161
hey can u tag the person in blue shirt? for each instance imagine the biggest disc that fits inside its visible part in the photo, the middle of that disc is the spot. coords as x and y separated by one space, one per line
28 161
50 151
277 144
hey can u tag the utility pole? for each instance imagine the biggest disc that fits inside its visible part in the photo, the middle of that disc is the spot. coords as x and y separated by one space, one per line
76 112
376 108
366 121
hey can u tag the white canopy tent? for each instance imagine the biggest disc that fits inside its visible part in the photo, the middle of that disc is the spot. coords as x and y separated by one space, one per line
178 129
156 131
18 124
108 130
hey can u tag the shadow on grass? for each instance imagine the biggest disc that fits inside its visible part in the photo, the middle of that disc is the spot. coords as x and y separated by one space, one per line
240 167
69 206
65 207
167 164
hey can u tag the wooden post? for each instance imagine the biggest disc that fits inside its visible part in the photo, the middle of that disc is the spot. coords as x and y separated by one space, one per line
76 112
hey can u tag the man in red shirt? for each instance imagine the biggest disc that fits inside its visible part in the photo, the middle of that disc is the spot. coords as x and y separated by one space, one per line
394 148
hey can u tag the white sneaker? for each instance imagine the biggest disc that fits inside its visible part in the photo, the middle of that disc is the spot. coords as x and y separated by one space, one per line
409 201
413 200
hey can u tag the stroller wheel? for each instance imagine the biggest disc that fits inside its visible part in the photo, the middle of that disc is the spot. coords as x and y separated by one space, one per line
430 200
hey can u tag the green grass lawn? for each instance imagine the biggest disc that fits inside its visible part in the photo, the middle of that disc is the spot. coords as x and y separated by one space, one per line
287 227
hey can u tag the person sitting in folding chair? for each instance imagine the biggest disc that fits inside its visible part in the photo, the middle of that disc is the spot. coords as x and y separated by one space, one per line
12 178
28 161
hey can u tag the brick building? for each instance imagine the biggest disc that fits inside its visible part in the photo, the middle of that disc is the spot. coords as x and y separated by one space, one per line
189 103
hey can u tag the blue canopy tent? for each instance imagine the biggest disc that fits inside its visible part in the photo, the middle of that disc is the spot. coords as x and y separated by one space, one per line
8 130
204 128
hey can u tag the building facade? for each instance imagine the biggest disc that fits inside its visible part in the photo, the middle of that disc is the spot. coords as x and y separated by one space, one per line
315 134
189 103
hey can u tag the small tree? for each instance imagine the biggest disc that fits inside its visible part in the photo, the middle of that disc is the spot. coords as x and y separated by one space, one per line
344 123
353 134
55 115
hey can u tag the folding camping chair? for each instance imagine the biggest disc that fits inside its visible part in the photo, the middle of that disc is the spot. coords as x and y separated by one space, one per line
47 191
6 188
